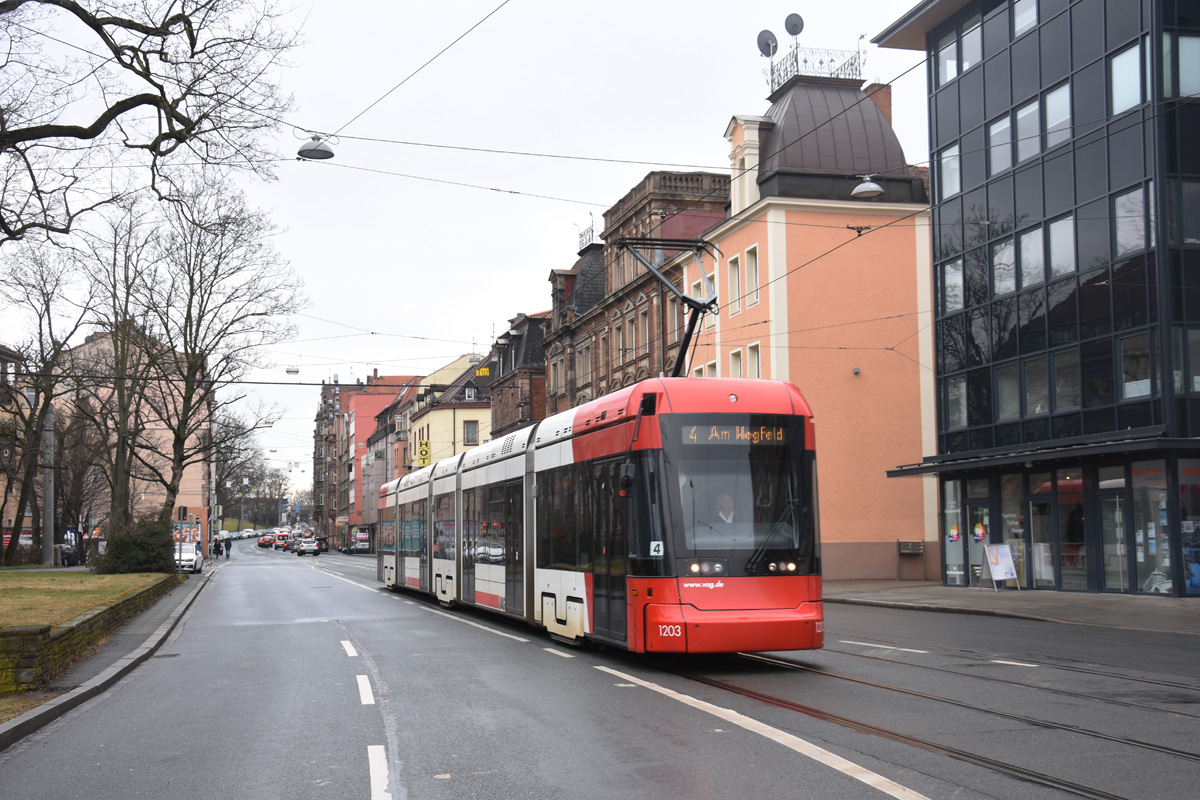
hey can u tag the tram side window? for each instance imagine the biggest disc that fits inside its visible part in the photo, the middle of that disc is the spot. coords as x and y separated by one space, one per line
563 527
443 526
491 548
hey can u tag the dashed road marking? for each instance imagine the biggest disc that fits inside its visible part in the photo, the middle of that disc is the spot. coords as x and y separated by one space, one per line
1012 663
476 625
558 652
377 763
364 690
882 646
349 648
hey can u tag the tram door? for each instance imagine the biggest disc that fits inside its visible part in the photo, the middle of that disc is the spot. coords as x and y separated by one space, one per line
514 563
609 553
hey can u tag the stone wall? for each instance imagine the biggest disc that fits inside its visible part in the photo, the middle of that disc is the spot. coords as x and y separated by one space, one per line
32 655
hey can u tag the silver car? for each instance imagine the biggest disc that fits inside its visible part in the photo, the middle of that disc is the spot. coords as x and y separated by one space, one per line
307 546
189 556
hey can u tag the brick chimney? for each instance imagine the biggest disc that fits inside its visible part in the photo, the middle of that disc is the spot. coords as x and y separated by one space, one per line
881 93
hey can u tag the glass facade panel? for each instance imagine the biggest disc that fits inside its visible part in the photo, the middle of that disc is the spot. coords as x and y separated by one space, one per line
1193 360
1189 65
1129 222
956 402
1008 392
1024 16
1029 139
1151 528
952 531
952 286
1125 80
1135 367
1012 520
1189 515
1032 257
972 43
1072 549
999 145
1004 268
949 172
1037 387
1058 116
1062 246
1066 380
1041 529
947 58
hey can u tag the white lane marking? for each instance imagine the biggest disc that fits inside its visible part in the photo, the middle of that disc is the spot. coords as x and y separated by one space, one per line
377 762
476 625
882 646
1012 663
347 580
557 652
801 746
364 690
349 648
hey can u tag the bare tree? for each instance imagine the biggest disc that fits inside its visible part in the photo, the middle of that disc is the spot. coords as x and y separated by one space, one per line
86 92
221 294
43 285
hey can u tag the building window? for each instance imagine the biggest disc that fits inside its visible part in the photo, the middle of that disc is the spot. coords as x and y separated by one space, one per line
1135 367
1066 380
751 276
644 321
956 402
948 173
1032 256
698 372
1008 392
1004 268
735 286
673 318
1029 136
618 343
1189 66
735 364
971 44
1058 116
710 288
1024 16
605 360
753 362
947 58
1125 79
1129 222
1037 387
1193 361
952 286
1062 246
999 145
710 369
469 392
470 432
631 339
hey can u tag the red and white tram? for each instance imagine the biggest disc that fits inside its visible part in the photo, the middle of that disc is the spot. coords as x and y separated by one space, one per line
677 515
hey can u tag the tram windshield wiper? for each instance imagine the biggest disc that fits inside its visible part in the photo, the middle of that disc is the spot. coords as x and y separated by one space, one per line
787 512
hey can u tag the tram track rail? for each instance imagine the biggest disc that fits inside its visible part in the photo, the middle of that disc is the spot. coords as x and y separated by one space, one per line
1027 686
1041 723
1189 687
859 726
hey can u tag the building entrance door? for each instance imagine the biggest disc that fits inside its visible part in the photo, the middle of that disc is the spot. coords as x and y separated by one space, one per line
978 528
1114 510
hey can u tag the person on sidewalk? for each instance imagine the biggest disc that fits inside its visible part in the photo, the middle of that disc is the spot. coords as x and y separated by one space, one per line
228 545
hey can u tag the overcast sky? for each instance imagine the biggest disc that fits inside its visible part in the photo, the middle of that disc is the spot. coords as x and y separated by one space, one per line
406 273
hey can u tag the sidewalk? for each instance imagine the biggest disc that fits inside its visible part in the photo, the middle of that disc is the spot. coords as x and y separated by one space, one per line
124 651
1157 613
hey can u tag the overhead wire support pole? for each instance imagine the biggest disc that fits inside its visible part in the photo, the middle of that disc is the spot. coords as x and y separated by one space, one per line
696 307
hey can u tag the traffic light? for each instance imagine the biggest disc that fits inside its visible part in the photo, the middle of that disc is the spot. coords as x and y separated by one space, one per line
183 515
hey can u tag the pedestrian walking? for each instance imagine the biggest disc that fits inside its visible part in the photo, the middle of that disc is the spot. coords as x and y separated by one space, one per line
228 545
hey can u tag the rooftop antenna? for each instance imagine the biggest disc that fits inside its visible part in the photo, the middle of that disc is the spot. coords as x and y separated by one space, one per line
767 44
793 25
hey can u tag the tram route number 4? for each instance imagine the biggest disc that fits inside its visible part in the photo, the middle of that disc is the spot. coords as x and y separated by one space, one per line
656 549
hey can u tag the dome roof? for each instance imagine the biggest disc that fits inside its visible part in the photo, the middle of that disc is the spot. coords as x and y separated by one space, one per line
828 125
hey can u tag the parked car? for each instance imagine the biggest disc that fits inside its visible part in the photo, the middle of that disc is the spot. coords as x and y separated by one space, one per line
266 541
322 543
307 546
189 556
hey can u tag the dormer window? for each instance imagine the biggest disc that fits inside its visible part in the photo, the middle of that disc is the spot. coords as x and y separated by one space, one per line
470 392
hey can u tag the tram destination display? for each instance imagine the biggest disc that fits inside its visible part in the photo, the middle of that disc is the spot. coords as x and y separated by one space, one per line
734 434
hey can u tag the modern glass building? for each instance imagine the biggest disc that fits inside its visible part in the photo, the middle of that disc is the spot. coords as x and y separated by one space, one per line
1066 248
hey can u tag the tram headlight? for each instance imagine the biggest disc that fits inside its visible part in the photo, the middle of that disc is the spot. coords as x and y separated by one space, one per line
791 566
695 567
772 567
705 568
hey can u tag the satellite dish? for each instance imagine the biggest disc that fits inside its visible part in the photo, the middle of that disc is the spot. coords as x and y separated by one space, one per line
767 44
794 24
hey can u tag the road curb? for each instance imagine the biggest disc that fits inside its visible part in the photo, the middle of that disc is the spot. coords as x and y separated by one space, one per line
18 728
